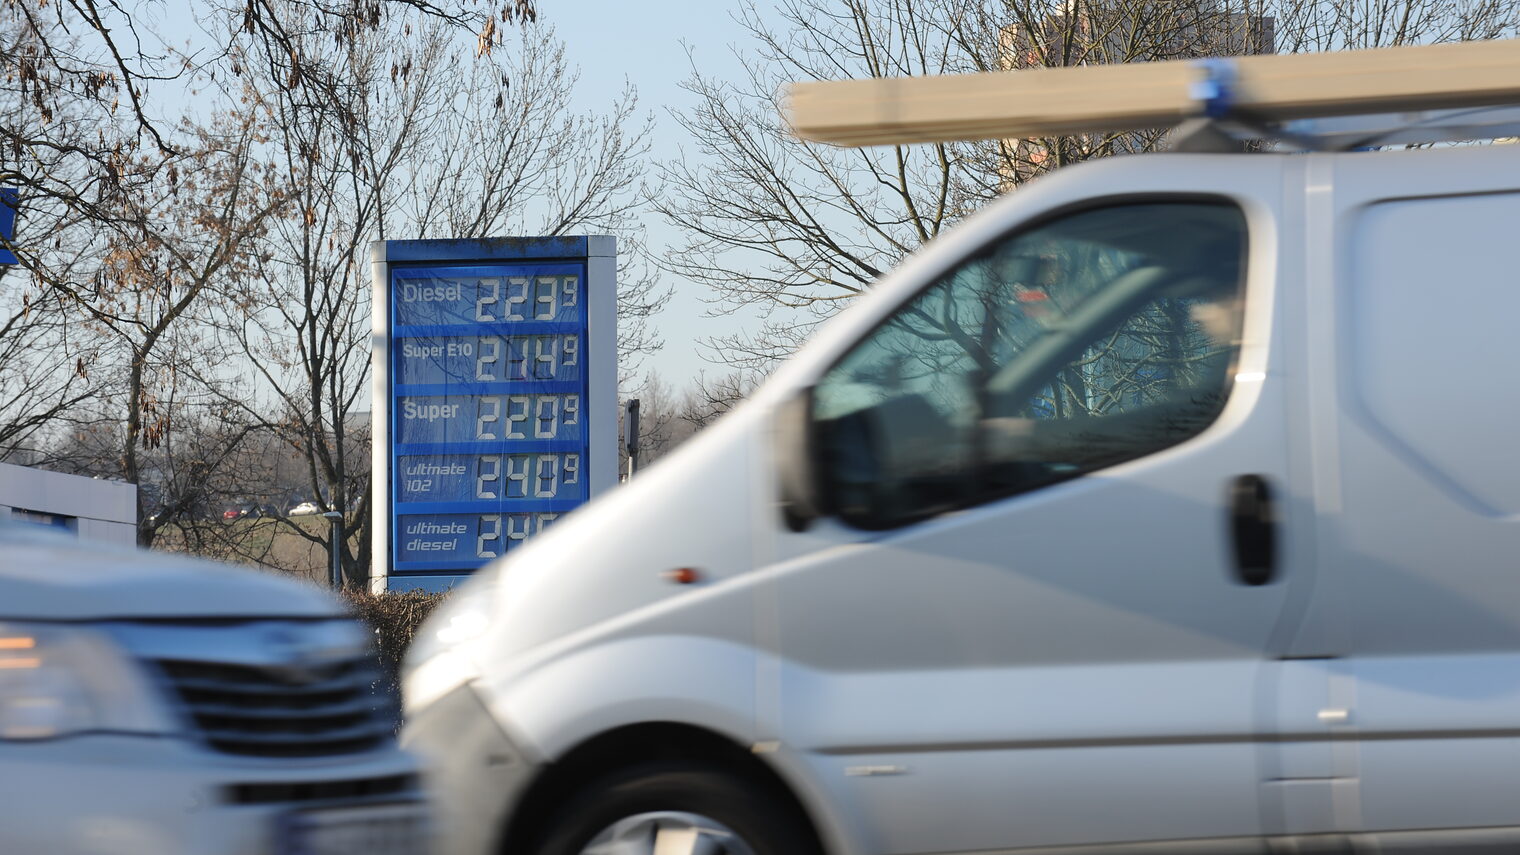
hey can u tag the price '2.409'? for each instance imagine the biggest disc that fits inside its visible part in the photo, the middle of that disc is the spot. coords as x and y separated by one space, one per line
525 476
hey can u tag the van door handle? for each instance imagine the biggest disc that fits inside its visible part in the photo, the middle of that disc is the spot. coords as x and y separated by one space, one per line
1253 529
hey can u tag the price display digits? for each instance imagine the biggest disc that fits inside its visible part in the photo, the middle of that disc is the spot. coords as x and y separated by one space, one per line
489 395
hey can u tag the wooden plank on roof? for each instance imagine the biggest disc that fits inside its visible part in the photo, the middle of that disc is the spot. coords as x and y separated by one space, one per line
1102 98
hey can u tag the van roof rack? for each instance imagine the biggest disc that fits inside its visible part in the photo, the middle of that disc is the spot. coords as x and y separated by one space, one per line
1336 101
1349 133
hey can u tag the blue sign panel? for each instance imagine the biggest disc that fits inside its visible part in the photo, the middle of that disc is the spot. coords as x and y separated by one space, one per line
488 395
7 222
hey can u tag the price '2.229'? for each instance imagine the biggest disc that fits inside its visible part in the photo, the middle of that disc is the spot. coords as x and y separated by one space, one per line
523 298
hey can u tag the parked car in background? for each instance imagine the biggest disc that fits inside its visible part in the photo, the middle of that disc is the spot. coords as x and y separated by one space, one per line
305 509
151 703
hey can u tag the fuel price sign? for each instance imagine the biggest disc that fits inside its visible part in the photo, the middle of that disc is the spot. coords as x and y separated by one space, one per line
498 371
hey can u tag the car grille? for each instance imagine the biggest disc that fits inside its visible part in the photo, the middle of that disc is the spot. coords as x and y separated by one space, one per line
273 712
281 792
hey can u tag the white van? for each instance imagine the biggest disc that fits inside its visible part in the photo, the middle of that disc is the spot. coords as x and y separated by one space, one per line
151 704
1170 504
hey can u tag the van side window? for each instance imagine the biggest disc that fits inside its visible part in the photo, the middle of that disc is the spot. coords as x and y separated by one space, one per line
1089 340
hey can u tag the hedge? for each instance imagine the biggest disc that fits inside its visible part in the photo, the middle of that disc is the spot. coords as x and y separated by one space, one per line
395 619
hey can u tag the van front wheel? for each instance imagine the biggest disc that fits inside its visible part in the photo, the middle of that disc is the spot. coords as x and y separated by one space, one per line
673 810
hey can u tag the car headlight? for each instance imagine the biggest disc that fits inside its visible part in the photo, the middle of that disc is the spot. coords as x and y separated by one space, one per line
59 680
432 666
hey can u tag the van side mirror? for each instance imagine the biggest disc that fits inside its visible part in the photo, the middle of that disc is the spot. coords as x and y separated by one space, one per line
796 461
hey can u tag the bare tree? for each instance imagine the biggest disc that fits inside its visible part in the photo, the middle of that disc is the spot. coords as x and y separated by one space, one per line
663 422
78 126
74 51
796 230
71 164
120 240
395 135
40 385
710 398
1304 26
668 418
1006 35
298 318
208 285
158 252
509 155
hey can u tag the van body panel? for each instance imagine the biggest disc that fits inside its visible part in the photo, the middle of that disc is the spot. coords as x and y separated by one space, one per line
631 680
1423 523
1012 687
981 705
615 547
1309 781
1079 667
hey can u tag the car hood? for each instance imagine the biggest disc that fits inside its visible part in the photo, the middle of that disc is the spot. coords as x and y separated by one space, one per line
55 577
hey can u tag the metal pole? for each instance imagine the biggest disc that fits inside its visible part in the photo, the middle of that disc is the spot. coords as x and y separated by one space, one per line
631 434
335 548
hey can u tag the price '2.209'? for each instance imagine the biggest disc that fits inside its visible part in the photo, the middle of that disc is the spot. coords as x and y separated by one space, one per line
526 416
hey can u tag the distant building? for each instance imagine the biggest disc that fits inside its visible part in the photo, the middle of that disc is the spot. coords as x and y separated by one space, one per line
90 508
1111 32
